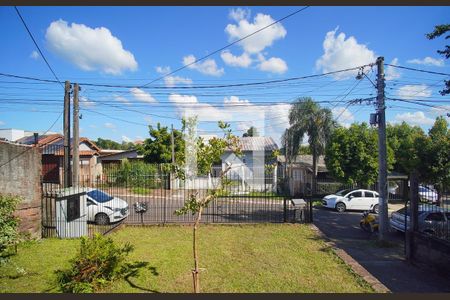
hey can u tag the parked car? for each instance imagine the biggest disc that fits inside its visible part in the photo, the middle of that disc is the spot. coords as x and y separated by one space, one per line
427 194
432 219
104 209
352 199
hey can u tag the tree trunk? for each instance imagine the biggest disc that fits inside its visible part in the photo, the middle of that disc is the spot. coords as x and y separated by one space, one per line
195 274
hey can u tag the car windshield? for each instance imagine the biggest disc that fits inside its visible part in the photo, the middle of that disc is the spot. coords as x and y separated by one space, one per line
343 192
99 196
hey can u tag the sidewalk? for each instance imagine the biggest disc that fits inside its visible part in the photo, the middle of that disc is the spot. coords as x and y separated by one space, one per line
387 264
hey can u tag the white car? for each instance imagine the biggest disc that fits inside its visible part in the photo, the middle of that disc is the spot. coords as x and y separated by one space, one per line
104 209
427 194
352 199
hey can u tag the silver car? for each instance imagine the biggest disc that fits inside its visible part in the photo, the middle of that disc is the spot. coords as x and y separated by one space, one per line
432 219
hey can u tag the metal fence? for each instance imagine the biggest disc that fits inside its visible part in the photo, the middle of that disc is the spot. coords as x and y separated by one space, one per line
433 211
139 194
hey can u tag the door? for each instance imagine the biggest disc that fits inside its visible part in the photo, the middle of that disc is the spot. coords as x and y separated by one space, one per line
370 200
355 200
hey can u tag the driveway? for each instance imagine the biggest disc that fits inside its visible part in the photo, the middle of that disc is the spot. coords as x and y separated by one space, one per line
387 263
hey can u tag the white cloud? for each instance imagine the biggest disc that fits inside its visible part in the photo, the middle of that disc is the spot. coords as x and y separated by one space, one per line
343 116
109 125
122 99
90 49
234 100
2 123
188 105
259 41
171 81
148 119
242 61
163 70
207 67
126 139
239 14
139 138
417 118
392 72
341 53
93 126
142 95
273 65
427 61
414 91
34 54
85 102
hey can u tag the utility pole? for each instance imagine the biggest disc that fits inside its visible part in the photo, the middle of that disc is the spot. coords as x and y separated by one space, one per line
382 153
76 136
66 123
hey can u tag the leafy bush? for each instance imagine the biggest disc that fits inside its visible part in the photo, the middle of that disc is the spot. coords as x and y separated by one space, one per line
98 262
8 222
135 174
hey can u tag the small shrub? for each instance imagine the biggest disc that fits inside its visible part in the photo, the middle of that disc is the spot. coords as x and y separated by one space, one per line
98 262
8 222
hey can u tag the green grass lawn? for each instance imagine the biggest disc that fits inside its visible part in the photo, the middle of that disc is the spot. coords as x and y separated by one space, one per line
247 258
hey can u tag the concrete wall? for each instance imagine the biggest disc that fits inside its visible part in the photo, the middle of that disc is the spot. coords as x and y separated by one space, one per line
433 252
22 177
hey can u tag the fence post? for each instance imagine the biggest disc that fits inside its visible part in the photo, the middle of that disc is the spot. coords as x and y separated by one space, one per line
285 210
311 210
413 215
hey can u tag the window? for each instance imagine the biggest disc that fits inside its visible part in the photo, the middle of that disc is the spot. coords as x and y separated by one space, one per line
356 194
436 217
90 202
99 196
73 208
296 174
369 195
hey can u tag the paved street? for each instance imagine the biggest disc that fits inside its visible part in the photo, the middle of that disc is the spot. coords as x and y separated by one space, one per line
161 209
387 264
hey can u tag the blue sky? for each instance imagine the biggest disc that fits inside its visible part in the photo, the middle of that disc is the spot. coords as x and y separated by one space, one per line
126 45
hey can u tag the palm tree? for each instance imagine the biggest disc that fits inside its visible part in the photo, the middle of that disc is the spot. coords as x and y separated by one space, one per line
307 117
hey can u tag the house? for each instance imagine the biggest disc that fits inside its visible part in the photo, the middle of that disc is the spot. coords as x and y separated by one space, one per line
53 153
12 134
300 172
112 157
250 169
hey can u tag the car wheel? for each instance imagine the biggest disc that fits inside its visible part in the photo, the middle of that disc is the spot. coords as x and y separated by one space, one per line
340 207
101 219
376 208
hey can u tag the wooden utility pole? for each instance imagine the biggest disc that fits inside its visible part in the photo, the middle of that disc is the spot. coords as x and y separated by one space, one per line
76 136
66 123
382 153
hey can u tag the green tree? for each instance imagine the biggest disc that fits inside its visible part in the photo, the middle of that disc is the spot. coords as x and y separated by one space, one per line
158 148
307 117
351 155
252 131
108 144
402 139
207 155
434 154
437 32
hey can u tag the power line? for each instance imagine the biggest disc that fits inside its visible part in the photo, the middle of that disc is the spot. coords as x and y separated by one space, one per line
223 48
417 70
54 74
199 86
37 46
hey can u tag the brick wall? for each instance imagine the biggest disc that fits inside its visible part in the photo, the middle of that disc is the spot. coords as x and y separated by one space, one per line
22 176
